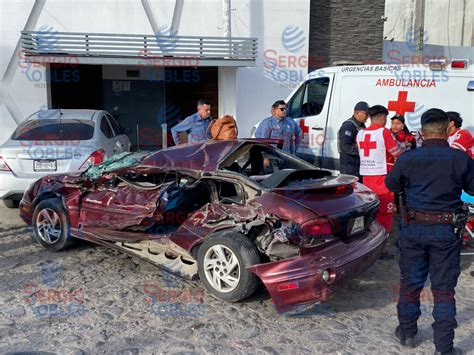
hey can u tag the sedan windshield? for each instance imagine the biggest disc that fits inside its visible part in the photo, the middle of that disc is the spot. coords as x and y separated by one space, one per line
54 130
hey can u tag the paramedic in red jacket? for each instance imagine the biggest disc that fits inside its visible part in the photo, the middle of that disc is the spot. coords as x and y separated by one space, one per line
459 138
377 148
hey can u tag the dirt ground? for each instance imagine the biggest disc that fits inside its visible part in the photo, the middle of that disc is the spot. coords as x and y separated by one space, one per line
91 300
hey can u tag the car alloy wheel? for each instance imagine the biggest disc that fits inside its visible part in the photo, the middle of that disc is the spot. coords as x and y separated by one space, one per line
222 268
51 225
223 259
48 225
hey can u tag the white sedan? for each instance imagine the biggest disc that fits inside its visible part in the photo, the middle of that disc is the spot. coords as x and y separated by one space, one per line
51 141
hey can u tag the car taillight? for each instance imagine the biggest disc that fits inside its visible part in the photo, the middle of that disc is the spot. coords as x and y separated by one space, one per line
316 228
95 158
3 165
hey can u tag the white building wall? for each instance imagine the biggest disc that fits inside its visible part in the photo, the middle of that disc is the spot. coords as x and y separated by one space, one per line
248 94
446 22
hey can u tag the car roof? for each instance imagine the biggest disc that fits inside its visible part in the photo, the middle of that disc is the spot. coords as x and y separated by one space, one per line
204 156
66 114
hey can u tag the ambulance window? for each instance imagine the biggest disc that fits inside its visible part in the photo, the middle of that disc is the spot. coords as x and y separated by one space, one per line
309 99
314 96
294 104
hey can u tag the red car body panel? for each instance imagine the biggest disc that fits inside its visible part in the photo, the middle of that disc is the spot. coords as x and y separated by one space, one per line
100 213
304 273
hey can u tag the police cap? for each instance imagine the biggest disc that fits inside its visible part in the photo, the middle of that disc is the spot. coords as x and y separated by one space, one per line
434 115
362 106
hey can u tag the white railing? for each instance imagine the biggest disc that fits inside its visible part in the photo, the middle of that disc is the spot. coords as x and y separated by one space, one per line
38 43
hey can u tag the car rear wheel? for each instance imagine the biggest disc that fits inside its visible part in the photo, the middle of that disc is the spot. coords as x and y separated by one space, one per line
222 263
11 203
51 225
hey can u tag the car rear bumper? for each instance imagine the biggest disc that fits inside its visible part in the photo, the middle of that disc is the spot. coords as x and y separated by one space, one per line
12 186
300 279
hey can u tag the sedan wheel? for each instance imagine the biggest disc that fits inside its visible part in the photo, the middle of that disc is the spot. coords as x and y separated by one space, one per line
223 260
48 225
222 268
51 225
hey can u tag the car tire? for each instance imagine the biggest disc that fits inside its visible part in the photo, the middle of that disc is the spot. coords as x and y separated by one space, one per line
11 203
51 225
222 262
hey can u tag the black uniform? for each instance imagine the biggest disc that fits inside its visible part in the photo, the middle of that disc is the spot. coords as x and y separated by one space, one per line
432 178
347 146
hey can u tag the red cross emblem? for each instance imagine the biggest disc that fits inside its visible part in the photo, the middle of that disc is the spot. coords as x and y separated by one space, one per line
304 128
366 145
401 106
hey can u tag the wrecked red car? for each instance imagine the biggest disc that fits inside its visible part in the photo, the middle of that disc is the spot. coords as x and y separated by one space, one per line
230 213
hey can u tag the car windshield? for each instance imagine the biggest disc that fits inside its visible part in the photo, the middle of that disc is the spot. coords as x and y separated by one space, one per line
54 130
260 162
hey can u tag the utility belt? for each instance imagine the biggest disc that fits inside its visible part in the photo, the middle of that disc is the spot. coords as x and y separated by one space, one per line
456 219
431 217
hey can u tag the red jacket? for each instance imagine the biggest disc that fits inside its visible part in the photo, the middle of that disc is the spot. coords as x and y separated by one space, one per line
461 139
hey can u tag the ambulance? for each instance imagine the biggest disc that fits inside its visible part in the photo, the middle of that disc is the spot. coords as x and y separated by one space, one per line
327 97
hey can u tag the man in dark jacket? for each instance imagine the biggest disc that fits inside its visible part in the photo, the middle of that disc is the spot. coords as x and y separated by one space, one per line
432 178
346 139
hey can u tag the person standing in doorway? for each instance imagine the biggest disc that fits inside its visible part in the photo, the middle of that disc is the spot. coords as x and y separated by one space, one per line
195 125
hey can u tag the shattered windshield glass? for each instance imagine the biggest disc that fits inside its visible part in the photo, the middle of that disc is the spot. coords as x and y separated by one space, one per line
123 160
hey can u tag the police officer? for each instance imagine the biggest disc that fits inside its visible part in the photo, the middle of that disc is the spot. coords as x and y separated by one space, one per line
432 178
346 139
195 125
280 126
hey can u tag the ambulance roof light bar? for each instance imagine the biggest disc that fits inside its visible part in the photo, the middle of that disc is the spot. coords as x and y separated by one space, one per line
437 64
459 63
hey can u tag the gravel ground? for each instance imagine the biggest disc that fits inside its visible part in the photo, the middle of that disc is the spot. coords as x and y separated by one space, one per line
90 300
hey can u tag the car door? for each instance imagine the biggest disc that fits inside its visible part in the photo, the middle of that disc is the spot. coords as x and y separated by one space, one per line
115 205
309 106
123 142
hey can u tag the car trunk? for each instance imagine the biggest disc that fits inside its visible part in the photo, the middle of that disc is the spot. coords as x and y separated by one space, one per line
34 159
348 206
